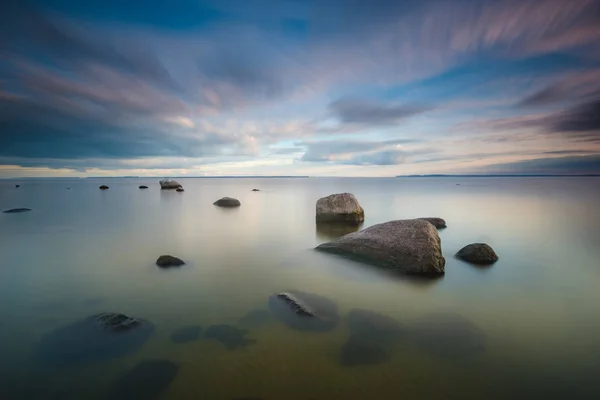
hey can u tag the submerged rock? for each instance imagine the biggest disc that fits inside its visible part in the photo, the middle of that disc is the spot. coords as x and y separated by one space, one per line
147 380
478 253
447 335
143 187
165 261
103 187
410 246
371 326
304 311
186 334
437 222
342 207
256 318
356 352
16 210
95 338
168 183
227 202
230 336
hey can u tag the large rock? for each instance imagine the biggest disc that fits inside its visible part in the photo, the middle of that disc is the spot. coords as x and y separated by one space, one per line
169 183
227 202
96 338
437 222
342 207
304 311
478 253
410 246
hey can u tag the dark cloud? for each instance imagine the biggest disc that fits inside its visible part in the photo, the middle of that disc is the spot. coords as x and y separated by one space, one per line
557 165
582 121
581 85
355 111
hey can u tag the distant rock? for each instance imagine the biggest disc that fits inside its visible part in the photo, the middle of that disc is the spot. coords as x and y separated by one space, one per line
356 352
341 207
143 187
410 246
166 261
255 190
148 380
168 183
179 189
230 336
304 311
17 186
16 210
186 334
96 338
227 202
439 223
103 187
478 253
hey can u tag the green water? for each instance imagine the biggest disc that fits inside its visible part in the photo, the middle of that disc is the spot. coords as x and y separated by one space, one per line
83 251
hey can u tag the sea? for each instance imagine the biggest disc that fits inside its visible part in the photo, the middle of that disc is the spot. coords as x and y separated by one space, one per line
526 327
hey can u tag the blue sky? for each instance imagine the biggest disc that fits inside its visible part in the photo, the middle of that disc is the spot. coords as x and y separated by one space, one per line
299 87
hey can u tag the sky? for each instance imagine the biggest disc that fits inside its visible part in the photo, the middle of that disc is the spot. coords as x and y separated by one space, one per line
299 87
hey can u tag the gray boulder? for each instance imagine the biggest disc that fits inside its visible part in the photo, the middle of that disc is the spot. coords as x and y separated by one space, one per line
342 207
437 222
227 202
169 184
478 253
410 246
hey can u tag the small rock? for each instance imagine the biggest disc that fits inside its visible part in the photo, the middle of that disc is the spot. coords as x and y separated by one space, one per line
186 334
148 380
96 338
143 187
439 223
169 261
355 352
230 336
478 253
304 311
342 207
179 189
410 246
227 202
103 187
255 190
169 184
16 210
17 186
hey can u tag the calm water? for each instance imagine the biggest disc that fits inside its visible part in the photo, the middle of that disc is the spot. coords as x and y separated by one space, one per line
83 251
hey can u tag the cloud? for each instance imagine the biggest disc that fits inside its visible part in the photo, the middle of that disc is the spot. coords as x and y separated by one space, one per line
354 111
353 151
555 165
577 86
581 122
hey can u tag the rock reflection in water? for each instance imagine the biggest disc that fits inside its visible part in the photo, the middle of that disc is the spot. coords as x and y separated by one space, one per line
332 230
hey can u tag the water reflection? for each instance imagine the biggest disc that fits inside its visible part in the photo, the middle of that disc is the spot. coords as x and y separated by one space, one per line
331 230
